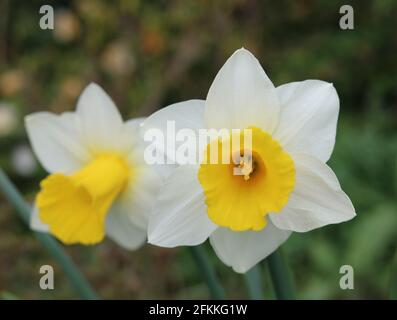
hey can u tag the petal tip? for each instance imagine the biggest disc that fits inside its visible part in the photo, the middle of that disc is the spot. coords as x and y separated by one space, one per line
31 117
32 121
239 269
243 53
243 50
93 87
28 120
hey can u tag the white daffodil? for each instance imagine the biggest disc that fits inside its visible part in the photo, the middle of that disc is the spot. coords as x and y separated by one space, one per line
98 182
286 187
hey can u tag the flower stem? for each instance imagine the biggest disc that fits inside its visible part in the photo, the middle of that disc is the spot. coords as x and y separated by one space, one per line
393 278
201 259
74 275
253 280
280 276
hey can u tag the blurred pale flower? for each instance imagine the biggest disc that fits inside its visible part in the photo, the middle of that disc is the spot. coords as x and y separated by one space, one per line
70 88
117 59
288 186
98 182
67 26
8 119
12 82
23 161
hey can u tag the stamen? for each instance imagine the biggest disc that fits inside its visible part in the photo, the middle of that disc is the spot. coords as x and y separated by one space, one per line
246 167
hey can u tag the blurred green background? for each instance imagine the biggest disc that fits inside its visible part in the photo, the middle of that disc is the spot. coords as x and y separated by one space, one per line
147 54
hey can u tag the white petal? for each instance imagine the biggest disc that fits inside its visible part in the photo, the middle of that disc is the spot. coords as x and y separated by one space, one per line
101 121
146 180
179 217
138 199
308 119
242 95
130 135
243 250
35 223
126 234
133 127
134 130
187 116
56 140
317 200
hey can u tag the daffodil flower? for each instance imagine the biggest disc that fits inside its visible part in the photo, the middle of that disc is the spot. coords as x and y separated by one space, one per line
286 186
99 182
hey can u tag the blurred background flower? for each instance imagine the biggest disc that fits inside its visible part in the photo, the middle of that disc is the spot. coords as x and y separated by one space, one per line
8 119
67 26
23 160
147 54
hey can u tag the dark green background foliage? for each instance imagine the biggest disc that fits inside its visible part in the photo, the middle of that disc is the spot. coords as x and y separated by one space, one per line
147 54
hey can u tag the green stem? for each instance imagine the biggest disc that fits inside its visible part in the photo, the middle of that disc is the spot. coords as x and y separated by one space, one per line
201 259
74 275
393 279
253 280
281 277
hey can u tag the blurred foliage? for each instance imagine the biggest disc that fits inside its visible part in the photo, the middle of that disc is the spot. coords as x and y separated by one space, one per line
150 54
